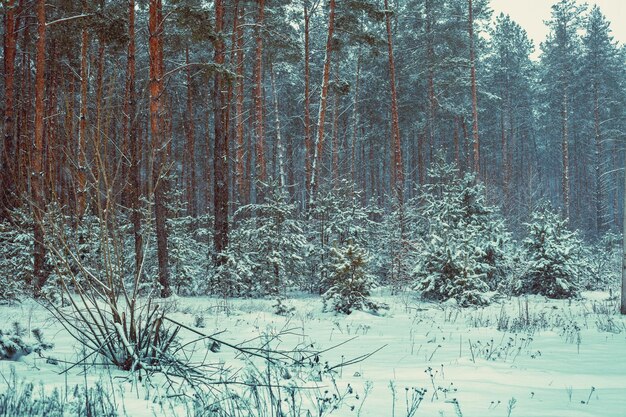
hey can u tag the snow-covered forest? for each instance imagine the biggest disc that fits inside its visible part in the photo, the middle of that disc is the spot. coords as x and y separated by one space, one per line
285 208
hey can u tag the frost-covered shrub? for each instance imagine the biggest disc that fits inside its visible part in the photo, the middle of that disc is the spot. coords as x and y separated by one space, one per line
463 248
189 253
336 218
14 344
555 257
16 260
348 283
266 249
605 262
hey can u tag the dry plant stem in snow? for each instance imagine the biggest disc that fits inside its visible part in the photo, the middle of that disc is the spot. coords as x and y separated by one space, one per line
105 311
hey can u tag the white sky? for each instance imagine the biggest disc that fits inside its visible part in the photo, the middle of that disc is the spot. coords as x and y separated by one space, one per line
530 14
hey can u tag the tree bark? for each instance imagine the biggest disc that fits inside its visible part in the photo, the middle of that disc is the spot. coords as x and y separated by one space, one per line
220 157
190 146
159 145
319 141
81 174
40 274
282 177
307 99
565 152
397 174
598 161
476 143
258 98
239 111
8 187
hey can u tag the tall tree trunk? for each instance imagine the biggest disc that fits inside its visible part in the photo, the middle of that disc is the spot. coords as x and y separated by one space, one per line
432 102
355 121
220 156
397 170
40 274
319 141
133 141
8 186
565 152
159 145
598 161
190 147
240 177
334 163
307 99
282 177
81 174
623 297
476 143
258 97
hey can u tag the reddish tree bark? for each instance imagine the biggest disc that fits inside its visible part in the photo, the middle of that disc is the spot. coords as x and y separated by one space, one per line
159 145
190 147
397 174
240 177
8 186
39 251
81 174
132 141
258 96
220 157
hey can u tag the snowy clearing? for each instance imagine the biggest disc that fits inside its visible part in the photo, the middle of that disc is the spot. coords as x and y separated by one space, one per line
549 358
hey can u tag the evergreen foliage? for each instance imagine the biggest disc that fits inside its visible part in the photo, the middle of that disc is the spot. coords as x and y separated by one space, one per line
348 282
555 257
265 255
463 247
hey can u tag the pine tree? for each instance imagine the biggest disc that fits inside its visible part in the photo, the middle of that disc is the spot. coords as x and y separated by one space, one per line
348 282
554 257
463 246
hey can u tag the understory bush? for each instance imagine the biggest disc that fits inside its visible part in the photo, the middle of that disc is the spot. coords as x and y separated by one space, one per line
463 248
15 343
555 257
348 283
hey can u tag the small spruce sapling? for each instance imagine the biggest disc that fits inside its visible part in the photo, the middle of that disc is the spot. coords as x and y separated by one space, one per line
555 257
349 285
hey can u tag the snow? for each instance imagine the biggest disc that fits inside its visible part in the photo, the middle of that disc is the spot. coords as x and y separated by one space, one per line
564 363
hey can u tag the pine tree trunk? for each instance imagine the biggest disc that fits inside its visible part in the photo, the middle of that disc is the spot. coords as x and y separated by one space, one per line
319 141
476 143
220 157
133 142
282 178
307 100
598 161
40 274
258 97
240 177
159 145
623 298
190 147
355 121
81 174
397 170
565 152
8 186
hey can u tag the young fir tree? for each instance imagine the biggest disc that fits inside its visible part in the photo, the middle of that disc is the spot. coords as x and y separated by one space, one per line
336 219
463 246
554 255
266 249
348 282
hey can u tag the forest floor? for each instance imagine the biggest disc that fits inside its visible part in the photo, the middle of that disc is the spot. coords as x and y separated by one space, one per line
520 357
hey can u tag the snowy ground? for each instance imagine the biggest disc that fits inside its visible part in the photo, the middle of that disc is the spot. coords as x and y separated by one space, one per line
545 357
